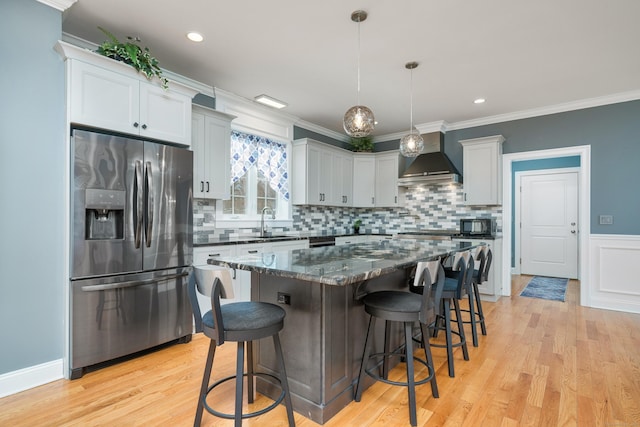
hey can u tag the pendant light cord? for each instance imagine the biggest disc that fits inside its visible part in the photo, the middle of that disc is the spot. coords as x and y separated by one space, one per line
411 101
358 95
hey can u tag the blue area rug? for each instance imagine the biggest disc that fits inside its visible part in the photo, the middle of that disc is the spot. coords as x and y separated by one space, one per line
552 288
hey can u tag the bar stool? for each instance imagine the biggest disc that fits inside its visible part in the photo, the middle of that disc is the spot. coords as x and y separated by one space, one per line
454 290
408 308
484 256
241 322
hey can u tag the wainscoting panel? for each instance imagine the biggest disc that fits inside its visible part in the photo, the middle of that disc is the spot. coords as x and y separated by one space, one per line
614 273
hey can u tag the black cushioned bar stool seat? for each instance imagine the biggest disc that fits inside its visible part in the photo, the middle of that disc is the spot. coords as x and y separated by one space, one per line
408 308
241 322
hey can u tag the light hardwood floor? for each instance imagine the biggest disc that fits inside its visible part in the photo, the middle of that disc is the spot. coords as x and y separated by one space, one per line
543 363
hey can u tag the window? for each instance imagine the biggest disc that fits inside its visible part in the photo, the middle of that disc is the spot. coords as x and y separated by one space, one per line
259 178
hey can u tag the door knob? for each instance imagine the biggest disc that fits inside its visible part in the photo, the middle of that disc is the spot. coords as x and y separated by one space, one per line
573 231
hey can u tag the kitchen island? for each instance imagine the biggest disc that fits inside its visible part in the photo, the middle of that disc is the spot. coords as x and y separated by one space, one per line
325 326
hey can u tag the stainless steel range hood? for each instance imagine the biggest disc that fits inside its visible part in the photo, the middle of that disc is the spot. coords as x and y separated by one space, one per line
430 167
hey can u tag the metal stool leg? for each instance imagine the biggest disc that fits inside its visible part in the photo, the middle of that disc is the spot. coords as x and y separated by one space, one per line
365 359
239 381
429 358
387 349
205 383
472 315
476 291
250 393
283 380
447 325
463 340
411 387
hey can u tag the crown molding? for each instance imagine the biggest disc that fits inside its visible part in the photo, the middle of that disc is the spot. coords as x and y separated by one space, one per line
552 109
321 130
61 5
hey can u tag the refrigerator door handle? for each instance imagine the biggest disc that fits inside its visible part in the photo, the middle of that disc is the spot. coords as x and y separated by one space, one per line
132 283
149 191
139 200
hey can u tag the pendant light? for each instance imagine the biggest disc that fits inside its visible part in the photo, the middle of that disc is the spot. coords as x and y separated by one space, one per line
411 144
358 120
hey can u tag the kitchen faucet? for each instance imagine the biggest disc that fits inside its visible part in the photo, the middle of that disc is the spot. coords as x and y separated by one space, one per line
263 230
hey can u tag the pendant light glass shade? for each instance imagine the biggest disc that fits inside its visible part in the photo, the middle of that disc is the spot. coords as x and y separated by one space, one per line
358 120
411 145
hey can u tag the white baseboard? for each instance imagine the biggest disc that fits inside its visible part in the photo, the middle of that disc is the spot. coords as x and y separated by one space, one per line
33 376
613 283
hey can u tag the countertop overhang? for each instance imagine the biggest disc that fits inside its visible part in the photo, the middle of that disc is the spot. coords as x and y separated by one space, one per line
344 265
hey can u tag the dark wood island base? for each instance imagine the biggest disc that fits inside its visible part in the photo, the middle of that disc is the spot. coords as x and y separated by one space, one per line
325 325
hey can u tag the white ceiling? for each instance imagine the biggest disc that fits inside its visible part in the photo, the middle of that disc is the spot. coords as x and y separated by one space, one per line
519 55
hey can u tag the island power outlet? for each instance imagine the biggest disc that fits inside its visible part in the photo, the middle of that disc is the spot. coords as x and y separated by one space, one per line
284 298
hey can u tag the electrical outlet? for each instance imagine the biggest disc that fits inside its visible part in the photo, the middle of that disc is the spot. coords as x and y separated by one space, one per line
606 219
284 298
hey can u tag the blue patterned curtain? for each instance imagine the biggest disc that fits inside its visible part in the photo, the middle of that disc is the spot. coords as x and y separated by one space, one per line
269 156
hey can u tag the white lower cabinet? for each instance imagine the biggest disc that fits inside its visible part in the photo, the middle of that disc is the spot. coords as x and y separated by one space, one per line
379 238
348 240
362 238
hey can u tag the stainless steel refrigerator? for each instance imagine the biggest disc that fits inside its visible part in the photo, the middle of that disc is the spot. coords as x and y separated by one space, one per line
132 235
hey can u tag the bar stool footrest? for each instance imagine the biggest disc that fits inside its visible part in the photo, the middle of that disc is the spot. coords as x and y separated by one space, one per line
250 414
399 383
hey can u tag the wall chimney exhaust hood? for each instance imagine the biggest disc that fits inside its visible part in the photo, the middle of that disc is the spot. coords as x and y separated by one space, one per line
431 167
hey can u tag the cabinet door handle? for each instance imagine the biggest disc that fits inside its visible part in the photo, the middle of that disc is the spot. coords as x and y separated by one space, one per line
207 186
202 186
136 124
211 255
144 126
255 251
372 200
396 199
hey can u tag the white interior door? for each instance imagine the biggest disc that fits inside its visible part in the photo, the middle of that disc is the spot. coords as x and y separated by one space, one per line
549 224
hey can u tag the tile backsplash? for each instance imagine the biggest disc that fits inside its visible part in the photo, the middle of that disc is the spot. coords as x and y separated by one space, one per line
433 207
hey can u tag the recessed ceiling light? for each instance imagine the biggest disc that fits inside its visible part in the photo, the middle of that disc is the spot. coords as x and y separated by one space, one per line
479 101
271 102
195 37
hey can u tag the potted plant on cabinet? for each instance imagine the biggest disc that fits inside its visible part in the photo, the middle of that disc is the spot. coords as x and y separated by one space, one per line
131 53
362 144
356 226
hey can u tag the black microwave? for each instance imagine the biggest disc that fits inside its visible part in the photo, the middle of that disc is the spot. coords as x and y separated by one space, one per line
477 227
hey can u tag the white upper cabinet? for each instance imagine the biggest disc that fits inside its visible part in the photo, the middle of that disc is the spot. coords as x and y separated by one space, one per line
321 175
364 180
211 145
482 170
386 182
111 95
330 176
342 190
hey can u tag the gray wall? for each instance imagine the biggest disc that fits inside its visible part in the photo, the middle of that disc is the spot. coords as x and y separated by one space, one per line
612 131
32 174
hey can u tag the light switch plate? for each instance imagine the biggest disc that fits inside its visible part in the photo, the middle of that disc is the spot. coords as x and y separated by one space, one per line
606 219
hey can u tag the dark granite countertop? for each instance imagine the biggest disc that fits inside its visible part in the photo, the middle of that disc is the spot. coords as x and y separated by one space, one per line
343 265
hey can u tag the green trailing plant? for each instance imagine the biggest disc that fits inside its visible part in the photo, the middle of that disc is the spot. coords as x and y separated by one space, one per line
357 223
364 143
131 53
